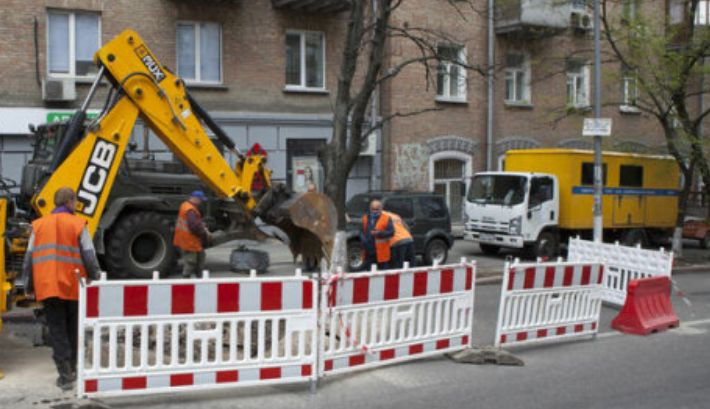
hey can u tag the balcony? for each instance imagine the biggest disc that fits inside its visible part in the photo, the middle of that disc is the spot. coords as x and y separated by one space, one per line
312 6
529 16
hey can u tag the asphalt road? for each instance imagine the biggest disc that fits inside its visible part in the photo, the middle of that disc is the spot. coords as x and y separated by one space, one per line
664 370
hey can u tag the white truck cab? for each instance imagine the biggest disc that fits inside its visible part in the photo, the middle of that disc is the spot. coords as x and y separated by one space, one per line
514 210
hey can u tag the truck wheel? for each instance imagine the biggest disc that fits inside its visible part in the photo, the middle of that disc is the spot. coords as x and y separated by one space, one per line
705 241
633 237
436 250
546 246
355 261
489 249
139 244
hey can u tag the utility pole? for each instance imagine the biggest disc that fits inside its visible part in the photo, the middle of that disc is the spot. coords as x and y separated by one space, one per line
598 184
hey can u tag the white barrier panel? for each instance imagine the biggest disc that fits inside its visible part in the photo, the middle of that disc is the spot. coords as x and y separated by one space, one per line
382 317
622 264
149 336
547 301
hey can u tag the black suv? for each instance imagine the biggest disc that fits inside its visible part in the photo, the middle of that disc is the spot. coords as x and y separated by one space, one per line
426 215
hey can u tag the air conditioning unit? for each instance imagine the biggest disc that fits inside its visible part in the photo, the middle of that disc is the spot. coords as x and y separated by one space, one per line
58 89
581 21
369 145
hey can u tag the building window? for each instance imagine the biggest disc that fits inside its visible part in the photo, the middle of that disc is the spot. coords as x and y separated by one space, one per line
702 13
517 84
449 173
305 60
629 89
72 40
577 84
579 5
628 9
676 11
451 74
199 52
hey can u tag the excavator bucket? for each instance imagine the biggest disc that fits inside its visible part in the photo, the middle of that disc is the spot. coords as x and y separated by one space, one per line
309 220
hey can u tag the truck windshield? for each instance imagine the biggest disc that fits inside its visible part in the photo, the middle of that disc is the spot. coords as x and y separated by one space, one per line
497 189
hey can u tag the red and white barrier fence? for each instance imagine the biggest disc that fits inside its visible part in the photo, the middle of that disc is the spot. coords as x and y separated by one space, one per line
541 302
623 264
148 336
382 317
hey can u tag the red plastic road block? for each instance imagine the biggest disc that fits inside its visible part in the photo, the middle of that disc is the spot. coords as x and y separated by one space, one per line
648 307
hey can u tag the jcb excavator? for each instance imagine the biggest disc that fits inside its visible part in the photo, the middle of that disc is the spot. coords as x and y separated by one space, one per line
87 158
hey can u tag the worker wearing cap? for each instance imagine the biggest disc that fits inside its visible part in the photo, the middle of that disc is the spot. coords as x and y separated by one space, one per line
59 248
401 243
191 234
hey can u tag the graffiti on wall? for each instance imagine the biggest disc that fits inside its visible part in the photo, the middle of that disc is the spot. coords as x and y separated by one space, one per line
411 162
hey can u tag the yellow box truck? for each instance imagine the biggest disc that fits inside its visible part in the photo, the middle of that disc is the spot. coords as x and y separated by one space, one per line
545 196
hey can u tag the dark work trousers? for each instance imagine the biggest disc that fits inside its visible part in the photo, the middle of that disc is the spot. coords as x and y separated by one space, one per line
403 251
62 320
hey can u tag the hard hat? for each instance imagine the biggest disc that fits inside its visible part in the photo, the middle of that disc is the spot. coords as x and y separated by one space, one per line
198 194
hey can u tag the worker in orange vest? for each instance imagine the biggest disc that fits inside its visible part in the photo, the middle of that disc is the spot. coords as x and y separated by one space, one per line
377 229
401 243
191 235
58 248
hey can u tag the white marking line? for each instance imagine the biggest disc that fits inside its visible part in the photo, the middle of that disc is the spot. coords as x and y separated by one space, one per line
683 325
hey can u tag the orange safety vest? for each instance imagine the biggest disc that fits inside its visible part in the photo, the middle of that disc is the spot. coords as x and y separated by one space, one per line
382 246
400 231
56 256
184 238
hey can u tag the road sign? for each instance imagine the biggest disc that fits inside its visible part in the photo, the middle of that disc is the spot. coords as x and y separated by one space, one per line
597 127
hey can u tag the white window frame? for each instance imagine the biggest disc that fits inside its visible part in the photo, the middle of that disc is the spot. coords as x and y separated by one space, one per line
627 77
629 9
571 77
510 73
302 87
463 80
702 13
72 44
196 26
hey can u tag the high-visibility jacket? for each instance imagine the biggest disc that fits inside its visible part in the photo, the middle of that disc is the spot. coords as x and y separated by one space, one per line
382 245
56 256
184 238
400 231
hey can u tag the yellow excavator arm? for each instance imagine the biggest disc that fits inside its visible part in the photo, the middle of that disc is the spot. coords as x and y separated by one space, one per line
143 87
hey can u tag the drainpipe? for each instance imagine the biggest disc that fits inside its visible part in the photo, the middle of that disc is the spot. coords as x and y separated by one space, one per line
374 107
490 72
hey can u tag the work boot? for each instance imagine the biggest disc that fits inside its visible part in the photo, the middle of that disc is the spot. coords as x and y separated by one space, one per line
66 378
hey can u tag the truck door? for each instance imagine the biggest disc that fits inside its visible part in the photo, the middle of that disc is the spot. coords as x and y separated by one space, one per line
542 206
629 202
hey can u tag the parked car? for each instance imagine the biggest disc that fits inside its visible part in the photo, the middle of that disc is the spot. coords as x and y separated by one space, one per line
426 214
697 229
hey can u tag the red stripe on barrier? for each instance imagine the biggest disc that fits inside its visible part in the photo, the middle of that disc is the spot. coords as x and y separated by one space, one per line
386 354
356 360
586 274
601 274
579 328
561 331
328 365
511 278
361 290
569 274
469 277
442 343
416 349
594 326
549 277
135 300
271 296
182 379
91 385
227 376
464 340
529 278
136 382
228 297
503 339
420 283
446 284
270 373
541 333
306 370
307 296
92 302
332 293
521 336
183 299
391 287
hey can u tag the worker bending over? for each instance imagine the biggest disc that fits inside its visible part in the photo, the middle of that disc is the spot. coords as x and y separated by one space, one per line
191 235
401 243
58 248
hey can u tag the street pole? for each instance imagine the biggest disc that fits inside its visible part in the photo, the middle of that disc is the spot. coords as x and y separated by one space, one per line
598 186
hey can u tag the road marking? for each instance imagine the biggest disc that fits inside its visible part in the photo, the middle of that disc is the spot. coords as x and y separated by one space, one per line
686 328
